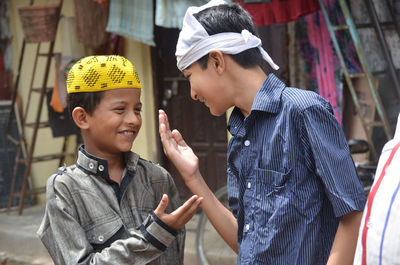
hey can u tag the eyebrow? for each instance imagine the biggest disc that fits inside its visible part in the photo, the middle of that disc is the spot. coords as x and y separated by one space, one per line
124 102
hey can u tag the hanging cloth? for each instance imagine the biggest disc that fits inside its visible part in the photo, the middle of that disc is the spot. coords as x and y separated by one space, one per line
133 19
320 40
278 11
321 62
91 26
55 101
170 13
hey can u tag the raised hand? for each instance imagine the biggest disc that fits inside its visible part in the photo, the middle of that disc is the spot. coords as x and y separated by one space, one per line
187 163
176 149
180 216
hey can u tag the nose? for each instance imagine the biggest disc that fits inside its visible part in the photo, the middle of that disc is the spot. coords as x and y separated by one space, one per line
193 94
132 117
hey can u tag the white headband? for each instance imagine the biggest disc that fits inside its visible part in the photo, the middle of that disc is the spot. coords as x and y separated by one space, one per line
194 41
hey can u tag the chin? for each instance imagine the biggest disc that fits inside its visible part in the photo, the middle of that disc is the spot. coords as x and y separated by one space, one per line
216 113
126 148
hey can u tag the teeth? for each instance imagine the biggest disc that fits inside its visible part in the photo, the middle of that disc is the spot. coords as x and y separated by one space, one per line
128 133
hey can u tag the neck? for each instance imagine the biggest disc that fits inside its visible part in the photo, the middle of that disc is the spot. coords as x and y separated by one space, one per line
247 84
115 161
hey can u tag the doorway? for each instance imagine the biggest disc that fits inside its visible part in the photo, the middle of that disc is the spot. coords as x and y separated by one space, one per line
204 133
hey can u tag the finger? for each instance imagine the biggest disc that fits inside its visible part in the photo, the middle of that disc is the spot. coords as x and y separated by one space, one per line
162 205
178 137
167 121
188 214
161 121
164 117
165 134
186 206
168 142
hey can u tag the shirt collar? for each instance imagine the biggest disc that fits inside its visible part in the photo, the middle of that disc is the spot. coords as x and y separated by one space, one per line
268 99
98 166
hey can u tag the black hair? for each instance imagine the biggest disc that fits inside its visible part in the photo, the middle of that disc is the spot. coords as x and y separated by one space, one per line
86 100
230 18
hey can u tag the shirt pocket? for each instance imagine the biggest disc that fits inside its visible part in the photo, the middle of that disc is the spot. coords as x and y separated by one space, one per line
99 233
271 193
269 183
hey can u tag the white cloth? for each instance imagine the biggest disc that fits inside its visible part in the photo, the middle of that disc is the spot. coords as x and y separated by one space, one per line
194 41
382 227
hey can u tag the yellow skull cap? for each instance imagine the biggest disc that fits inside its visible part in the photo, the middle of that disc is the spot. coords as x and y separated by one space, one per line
102 72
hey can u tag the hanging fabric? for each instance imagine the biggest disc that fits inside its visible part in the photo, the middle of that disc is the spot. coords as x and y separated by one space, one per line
91 26
5 52
133 19
321 63
170 13
278 11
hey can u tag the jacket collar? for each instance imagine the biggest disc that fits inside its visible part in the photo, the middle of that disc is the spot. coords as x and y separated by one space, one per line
98 166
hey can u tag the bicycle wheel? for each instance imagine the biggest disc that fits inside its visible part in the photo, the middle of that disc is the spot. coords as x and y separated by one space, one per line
211 248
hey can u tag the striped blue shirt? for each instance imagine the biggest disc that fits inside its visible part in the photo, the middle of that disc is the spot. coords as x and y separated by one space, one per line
290 177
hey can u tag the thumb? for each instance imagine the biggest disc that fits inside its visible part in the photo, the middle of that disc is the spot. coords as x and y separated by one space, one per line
162 205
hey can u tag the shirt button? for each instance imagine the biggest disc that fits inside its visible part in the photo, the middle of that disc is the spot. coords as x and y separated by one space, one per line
247 227
247 143
249 185
101 167
91 165
101 238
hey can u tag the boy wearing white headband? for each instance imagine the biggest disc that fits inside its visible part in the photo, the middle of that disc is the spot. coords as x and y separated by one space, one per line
112 207
293 189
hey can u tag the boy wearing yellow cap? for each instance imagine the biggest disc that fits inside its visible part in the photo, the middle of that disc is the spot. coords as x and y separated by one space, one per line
292 186
111 207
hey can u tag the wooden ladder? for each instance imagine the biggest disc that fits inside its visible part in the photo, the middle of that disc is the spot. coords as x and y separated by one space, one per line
25 155
381 119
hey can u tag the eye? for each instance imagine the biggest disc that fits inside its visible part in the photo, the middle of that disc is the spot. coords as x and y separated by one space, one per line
138 110
119 109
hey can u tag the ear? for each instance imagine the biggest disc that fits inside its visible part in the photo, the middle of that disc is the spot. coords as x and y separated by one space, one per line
217 61
80 117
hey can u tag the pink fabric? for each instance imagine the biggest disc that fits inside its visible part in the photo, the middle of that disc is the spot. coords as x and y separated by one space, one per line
320 40
279 11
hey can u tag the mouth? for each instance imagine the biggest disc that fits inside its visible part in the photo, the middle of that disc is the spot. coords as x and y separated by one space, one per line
128 133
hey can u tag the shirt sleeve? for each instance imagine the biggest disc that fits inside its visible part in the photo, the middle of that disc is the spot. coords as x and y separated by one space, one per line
331 159
67 242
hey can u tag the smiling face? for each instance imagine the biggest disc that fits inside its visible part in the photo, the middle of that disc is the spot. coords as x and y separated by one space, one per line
115 122
207 86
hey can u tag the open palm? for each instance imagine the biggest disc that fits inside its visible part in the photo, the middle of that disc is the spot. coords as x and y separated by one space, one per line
176 149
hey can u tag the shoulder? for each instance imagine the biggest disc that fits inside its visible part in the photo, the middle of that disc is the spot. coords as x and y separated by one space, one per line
302 104
63 180
60 189
302 99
